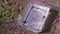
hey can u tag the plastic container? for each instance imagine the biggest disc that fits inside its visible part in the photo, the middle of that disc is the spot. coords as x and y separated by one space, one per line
38 18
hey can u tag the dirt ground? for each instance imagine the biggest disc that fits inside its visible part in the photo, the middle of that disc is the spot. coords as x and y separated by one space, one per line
14 28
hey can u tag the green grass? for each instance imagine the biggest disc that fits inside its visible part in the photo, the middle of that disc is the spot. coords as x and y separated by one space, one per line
58 25
7 1
5 12
20 8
